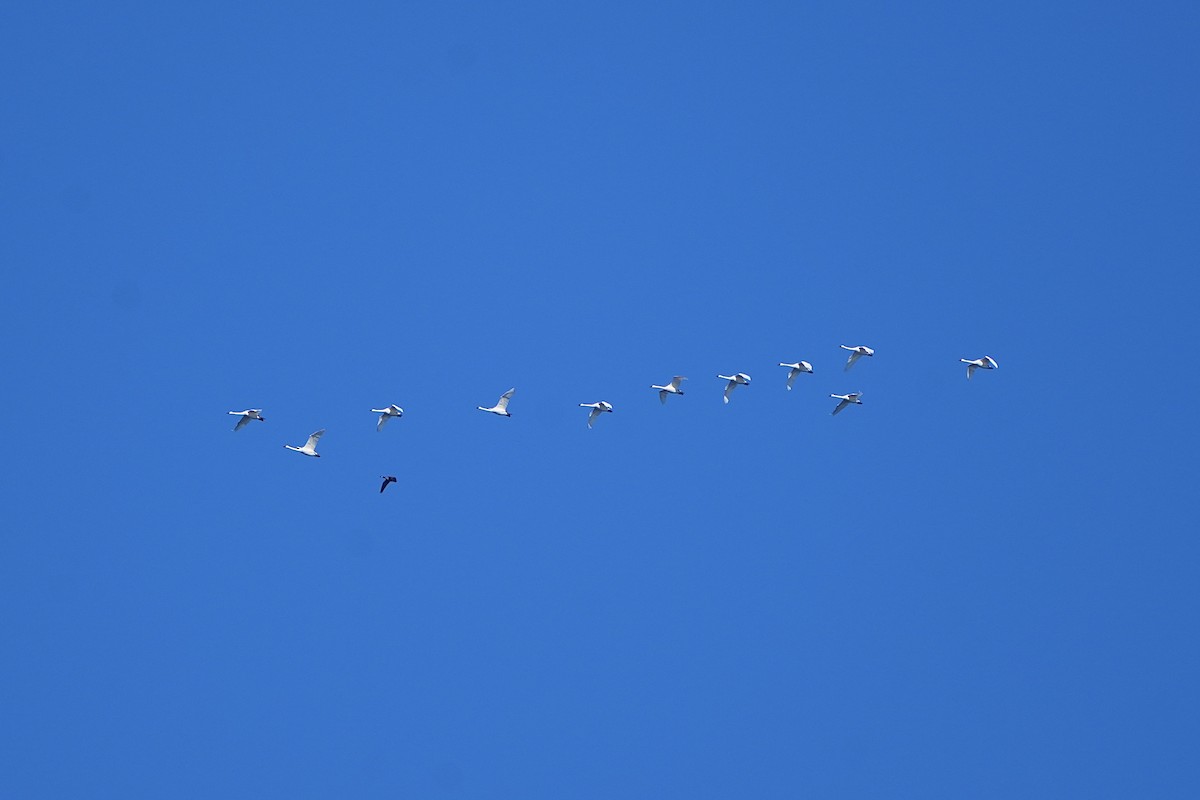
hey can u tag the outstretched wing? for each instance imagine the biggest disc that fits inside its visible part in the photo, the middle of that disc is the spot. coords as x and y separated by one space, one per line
311 444
840 406
991 361
383 418
241 423
592 416
792 377
729 387
662 396
676 381
502 403
971 370
850 361
386 480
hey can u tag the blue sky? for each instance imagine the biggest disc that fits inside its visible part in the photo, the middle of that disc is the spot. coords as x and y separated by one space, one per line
982 589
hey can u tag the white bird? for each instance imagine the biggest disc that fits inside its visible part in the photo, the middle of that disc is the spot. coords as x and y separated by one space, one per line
597 410
741 379
246 416
670 388
797 368
856 353
501 406
987 362
387 413
847 399
310 447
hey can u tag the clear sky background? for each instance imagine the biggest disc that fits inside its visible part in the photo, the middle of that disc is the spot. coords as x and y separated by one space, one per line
983 589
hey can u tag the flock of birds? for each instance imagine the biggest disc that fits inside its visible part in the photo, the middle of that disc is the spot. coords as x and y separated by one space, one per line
603 407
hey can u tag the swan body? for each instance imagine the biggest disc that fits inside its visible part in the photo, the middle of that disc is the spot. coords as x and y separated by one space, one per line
856 353
854 398
310 447
670 388
796 369
387 413
246 416
741 379
597 409
987 362
501 406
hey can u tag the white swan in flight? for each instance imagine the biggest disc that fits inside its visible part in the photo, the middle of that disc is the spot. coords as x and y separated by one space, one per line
246 416
741 379
670 388
856 353
796 369
987 362
854 398
310 447
387 413
597 410
501 406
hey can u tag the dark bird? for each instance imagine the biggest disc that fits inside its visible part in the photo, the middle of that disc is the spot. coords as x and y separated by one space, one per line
386 480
